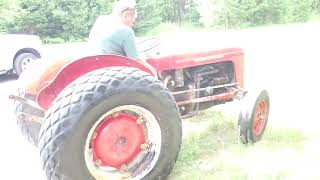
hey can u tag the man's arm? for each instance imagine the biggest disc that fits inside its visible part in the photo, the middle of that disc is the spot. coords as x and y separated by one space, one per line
129 45
130 49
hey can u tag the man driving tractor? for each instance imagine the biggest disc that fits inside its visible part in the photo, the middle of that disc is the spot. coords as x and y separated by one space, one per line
113 34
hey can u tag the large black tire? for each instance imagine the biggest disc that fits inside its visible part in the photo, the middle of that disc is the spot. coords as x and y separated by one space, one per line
76 109
29 129
21 59
256 102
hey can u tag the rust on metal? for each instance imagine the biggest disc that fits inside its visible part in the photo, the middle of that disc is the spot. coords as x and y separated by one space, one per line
26 101
17 98
28 117
224 96
202 89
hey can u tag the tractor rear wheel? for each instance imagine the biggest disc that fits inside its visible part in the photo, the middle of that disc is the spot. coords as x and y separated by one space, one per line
113 123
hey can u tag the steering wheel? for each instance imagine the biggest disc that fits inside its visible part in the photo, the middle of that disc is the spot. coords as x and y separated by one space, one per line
147 46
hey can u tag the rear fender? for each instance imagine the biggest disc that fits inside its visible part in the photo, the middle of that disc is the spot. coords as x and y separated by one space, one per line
78 68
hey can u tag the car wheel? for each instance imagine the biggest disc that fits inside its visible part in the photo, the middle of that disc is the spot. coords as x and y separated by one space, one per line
23 61
114 123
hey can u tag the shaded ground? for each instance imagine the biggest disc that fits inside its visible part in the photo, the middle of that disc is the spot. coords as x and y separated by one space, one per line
19 160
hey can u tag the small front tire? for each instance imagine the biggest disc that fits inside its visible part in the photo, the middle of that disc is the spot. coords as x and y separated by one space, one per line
253 117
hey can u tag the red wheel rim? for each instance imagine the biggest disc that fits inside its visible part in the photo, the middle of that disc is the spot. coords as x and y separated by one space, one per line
117 140
260 118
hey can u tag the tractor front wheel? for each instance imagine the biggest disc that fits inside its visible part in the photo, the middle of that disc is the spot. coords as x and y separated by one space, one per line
253 116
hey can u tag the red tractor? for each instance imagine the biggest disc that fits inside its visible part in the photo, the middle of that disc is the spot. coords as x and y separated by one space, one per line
109 117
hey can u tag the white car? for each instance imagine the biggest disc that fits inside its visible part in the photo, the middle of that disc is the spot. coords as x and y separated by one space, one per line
18 51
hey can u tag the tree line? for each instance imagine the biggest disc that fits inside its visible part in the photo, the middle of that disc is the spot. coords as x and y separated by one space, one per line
72 19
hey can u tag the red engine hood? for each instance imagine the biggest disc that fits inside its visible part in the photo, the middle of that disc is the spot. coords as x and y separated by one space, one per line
191 59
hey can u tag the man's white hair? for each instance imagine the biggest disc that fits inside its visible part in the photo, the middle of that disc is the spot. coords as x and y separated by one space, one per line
123 5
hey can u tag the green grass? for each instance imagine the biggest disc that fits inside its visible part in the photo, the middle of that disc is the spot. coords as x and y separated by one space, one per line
215 152
167 29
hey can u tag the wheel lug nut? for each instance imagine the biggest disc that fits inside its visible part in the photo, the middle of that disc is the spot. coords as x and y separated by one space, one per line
145 146
116 114
98 162
123 168
140 120
94 135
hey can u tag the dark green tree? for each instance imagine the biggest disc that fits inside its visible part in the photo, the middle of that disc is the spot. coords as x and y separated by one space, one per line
67 19
316 6
149 15
7 13
248 13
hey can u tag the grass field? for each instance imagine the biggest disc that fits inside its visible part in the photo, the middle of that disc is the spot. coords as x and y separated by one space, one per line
214 152
283 60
